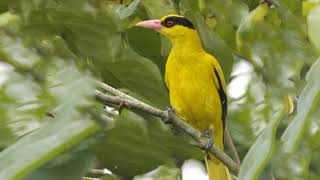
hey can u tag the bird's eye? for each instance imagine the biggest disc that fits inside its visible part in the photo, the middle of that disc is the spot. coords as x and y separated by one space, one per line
169 23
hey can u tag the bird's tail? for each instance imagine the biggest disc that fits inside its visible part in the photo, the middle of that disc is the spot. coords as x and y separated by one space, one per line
216 169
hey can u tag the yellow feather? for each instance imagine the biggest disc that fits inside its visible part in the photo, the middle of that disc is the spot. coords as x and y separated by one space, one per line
193 88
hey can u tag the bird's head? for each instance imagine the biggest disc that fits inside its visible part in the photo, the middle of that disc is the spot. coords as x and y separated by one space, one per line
176 28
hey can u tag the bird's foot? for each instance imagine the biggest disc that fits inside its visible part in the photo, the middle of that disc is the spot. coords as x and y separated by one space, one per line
169 111
209 144
209 135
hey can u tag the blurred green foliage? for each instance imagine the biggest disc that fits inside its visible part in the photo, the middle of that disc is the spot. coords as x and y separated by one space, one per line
57 49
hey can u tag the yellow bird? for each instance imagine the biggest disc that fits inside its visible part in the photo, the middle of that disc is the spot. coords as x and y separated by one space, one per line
196 83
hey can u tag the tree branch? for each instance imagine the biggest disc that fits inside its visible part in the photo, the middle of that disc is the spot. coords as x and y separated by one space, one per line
232 147
114 91
270 2
129 102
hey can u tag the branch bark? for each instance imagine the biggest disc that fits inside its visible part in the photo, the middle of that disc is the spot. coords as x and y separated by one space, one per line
270 2
129 102
232 147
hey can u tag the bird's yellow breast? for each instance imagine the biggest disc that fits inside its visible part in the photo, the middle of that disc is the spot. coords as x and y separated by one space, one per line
193 93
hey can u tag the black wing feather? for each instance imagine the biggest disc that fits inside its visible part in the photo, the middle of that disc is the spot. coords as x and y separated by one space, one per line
223 99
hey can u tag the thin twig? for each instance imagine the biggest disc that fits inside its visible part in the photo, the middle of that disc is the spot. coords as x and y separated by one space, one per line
132 103
99 172
232 147
90 178
114 91
271 175
270 2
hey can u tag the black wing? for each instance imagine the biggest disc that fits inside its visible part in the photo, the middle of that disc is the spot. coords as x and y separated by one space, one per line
223 99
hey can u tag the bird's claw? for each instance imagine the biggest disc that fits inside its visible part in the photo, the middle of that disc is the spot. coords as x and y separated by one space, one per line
209 135
169 111
209 144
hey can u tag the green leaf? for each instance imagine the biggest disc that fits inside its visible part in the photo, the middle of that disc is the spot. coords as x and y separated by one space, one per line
252 3
71 89
142 45
14 52
24 101
7 18
131 68
4 6
70 166
308 5
308 101
159 8
127 148
97 36
295 6
313 23
23 107
221 16
125 12
255 16
137 145
228 11
261 151
270 35
156 10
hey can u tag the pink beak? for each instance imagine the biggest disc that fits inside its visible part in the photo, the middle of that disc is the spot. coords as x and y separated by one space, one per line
150 24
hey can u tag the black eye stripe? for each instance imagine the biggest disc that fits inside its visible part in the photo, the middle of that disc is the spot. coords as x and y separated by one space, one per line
177 20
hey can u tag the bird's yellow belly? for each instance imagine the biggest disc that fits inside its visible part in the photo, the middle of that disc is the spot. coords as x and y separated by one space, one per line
195 98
